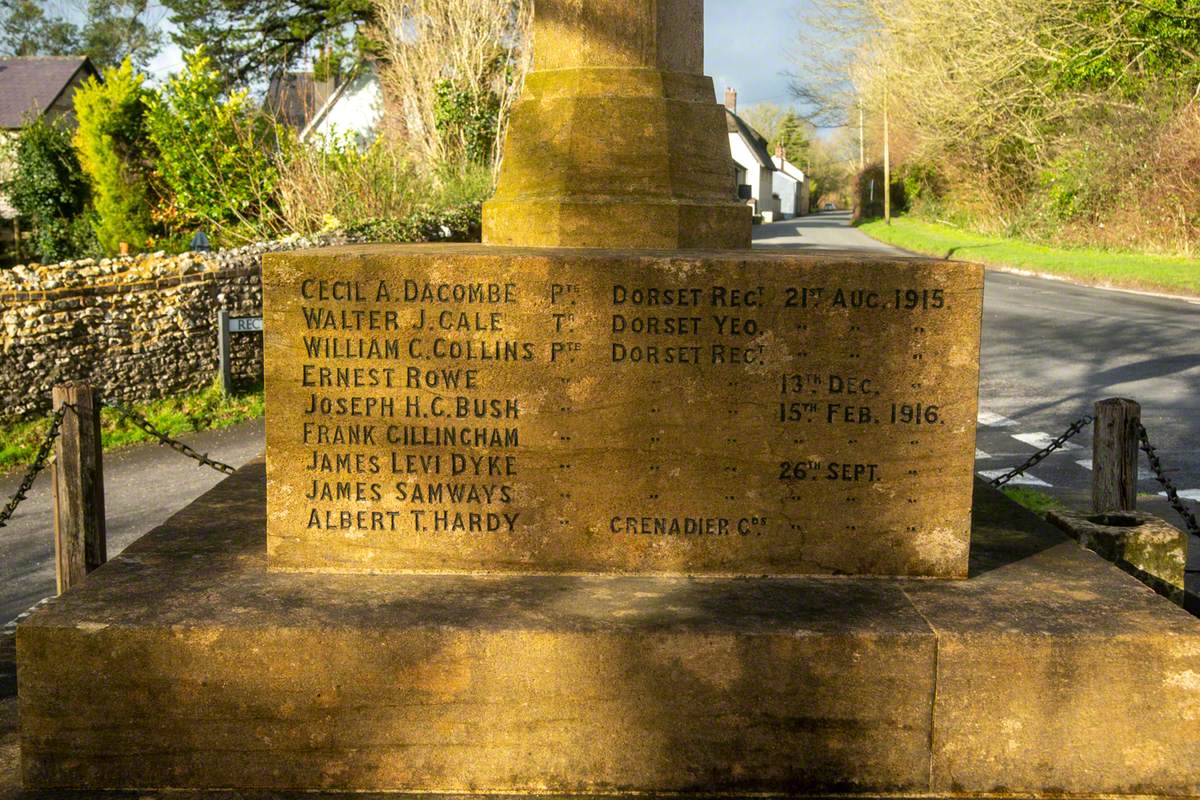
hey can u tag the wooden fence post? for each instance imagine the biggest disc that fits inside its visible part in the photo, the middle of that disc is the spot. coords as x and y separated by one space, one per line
1115 444
78 486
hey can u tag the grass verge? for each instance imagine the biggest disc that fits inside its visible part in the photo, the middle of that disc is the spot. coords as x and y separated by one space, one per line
1037 502
1174 275
201 411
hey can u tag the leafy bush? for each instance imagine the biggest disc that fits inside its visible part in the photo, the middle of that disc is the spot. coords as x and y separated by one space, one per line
1071 181
110 142
49 191
335 182
1044 116
207 409
1148 42
1143 185
464 185
869 193
924 183
451 70
214 159
461 224
467 121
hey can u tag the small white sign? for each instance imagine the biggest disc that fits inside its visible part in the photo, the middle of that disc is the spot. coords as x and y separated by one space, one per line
245 325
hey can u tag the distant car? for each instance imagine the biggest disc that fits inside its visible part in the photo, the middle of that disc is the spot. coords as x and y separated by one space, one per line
829 207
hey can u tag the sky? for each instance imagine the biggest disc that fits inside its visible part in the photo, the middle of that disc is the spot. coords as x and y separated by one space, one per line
748 46
170 59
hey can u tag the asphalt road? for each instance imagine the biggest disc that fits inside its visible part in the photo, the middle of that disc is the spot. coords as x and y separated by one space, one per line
829 230
1049 350
143 485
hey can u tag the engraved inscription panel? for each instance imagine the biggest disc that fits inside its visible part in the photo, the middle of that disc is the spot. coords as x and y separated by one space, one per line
461 408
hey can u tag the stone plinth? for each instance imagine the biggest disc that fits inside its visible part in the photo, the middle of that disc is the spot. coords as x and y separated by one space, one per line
475 409
1141 543
617 140
185 663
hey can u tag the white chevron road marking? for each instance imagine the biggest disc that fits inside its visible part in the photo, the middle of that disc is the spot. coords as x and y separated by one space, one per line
1020 480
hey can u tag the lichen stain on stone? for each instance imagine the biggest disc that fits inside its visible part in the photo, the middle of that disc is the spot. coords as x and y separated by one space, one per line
583 388
682 268
1145 755
1188 679
1188 682
1012 729
1185 648
774 352
1081 595
942 545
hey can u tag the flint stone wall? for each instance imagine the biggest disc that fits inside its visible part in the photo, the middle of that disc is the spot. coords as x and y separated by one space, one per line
139 328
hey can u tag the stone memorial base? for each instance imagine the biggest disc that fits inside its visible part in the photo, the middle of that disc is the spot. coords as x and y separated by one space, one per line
466 409
184 663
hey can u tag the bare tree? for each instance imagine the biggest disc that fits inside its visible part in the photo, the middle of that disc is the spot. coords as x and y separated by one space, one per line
831 35
475 49
766 118
995 99
996 81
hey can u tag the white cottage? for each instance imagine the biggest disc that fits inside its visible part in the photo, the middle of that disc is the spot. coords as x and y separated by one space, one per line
754 165
353 111
791 186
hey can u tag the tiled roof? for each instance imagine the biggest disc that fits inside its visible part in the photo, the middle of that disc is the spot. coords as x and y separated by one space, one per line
757 144
30 85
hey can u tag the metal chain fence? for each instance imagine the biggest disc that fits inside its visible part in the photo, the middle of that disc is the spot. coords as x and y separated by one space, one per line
43 454
148 427
1041 455
39 464
1189 519
1173 498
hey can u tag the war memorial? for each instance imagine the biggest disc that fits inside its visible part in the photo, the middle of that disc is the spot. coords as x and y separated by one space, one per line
613 504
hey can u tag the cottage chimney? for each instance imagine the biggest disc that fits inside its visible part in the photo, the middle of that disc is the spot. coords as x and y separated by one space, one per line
731 99
780 152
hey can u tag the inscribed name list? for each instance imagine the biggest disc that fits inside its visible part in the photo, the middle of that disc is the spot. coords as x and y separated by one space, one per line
460 408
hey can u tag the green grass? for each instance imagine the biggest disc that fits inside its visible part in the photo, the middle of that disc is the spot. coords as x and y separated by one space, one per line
1177 275
205 410
1037 502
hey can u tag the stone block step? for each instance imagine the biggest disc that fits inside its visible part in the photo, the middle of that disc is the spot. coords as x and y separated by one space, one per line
185 664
